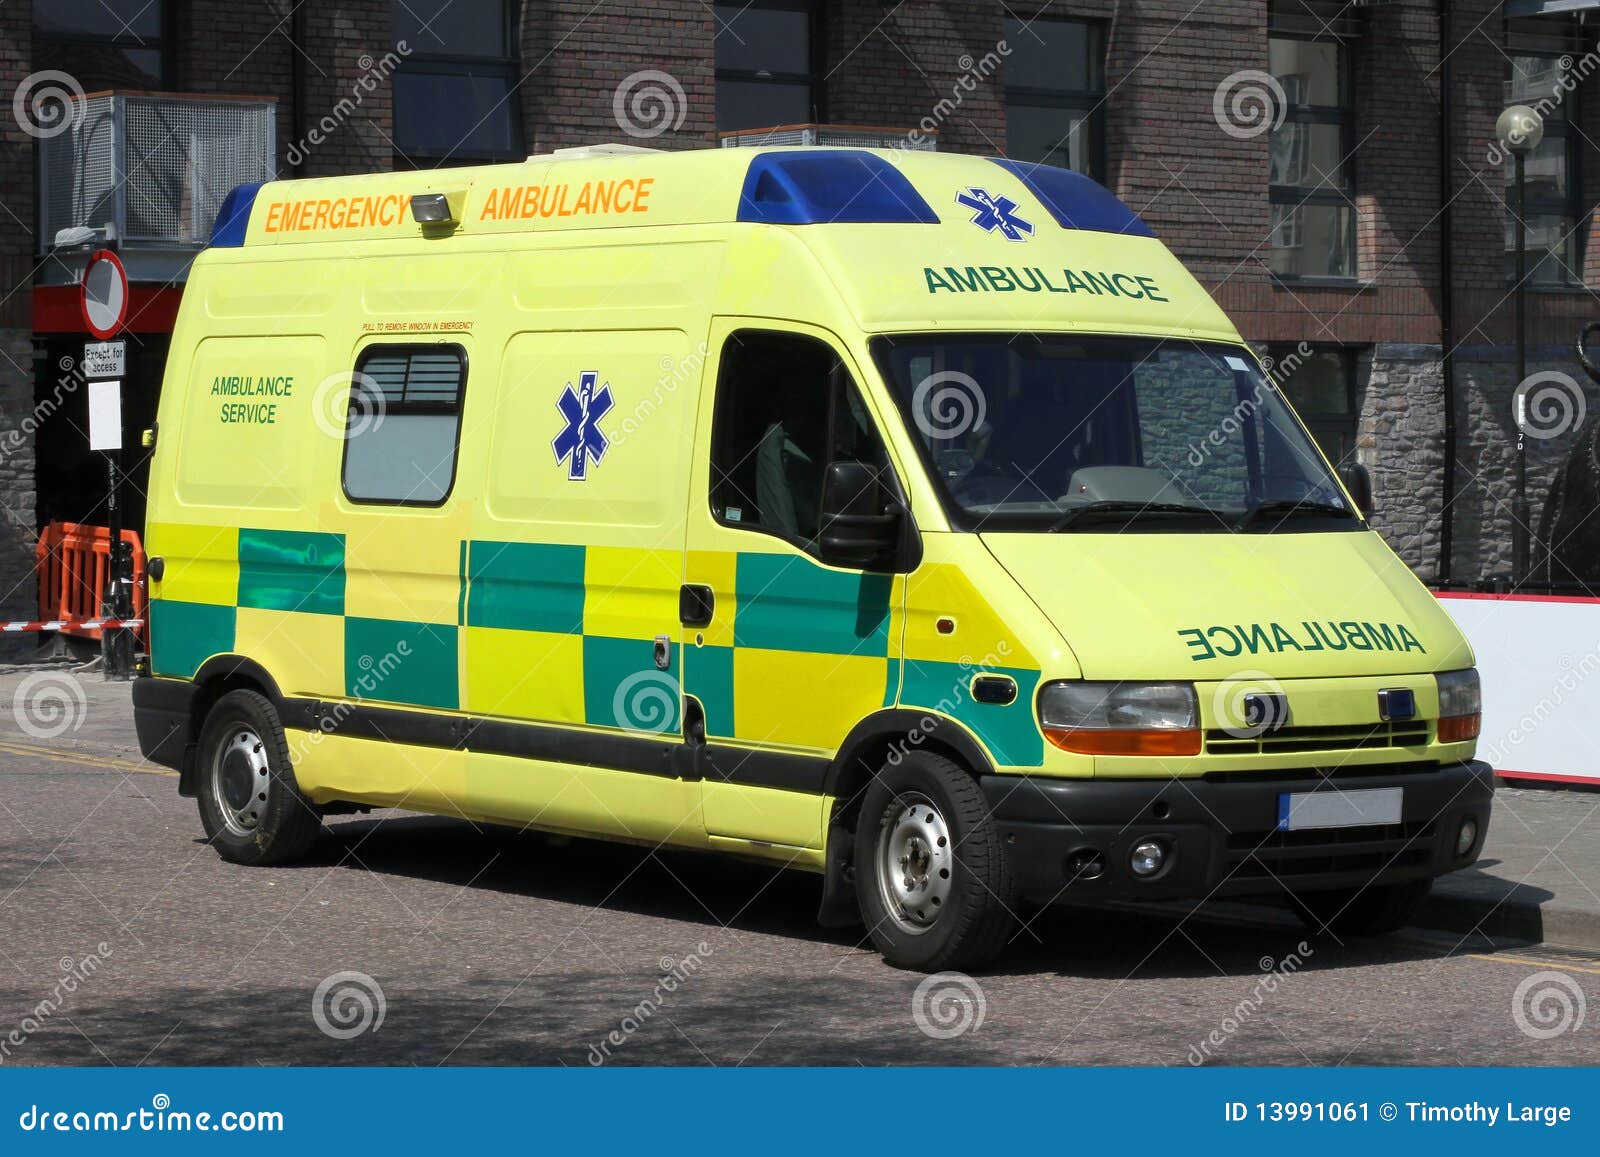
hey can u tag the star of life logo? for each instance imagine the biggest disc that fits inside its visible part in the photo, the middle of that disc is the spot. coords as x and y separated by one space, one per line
995 211
581 441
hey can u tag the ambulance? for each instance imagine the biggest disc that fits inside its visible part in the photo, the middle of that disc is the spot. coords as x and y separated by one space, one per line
913 520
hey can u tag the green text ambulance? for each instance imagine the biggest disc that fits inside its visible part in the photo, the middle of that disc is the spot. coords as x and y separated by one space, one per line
911 519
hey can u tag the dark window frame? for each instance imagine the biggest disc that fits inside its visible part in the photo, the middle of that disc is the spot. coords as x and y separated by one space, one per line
458 410
815 78
166 33
1323 422
721 432
1568 126
420 62
1088 100
1300 196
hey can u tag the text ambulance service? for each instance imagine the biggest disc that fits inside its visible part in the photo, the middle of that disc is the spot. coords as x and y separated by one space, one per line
915 520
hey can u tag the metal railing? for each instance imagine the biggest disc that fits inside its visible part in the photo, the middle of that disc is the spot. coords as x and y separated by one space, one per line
151 170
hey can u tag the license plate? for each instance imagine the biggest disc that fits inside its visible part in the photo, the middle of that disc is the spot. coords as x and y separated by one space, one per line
1368 807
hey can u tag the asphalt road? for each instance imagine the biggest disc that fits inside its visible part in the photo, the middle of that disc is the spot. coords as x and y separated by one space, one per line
138 945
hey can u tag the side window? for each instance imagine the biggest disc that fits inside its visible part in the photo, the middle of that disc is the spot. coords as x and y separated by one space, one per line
403 424
786 407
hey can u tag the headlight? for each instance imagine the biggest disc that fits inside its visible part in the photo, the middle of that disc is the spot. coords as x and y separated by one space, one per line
1121 718
1460 705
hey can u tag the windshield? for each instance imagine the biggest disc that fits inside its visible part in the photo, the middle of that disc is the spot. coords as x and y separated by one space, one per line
1059 432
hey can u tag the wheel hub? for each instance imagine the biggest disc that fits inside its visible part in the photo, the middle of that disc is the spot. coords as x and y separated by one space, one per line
915 859
242 781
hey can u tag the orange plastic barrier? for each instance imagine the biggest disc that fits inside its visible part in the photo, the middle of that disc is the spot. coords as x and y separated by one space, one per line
73 562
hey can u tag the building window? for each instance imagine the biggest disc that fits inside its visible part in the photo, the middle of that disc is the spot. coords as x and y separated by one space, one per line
766 74
1322 390
1312 189
455 98
100 43
1055 93
1554 205
403 424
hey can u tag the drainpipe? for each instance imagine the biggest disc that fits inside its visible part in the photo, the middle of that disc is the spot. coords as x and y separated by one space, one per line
297 80
1446 296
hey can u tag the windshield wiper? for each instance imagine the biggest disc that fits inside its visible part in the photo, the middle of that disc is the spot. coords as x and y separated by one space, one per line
1113 509
1291 508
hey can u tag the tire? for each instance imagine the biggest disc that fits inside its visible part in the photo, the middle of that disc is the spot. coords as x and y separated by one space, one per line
958 912
250 805
1371 911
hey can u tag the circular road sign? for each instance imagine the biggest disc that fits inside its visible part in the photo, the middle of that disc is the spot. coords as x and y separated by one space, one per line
105 294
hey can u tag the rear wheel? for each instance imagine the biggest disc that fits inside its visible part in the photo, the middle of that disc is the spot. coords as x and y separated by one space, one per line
931 876
251 808
1370 911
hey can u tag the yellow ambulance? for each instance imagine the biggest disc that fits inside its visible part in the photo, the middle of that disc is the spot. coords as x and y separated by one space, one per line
915 520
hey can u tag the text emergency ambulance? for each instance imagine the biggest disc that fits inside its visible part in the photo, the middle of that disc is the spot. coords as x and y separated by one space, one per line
912 519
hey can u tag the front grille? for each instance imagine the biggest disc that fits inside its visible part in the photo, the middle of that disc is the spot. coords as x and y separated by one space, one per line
1319 774
1323 851
1341 737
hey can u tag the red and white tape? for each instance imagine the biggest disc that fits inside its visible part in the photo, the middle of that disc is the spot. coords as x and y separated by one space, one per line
70 624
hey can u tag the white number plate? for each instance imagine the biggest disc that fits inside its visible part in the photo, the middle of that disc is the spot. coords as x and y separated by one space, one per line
1340 809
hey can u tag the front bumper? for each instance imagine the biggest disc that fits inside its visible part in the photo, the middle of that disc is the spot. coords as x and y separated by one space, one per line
1222 833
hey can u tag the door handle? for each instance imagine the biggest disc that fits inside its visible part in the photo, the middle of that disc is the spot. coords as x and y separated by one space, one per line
696 604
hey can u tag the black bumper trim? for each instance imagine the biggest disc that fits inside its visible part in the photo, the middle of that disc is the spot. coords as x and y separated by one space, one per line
162 714
1223 837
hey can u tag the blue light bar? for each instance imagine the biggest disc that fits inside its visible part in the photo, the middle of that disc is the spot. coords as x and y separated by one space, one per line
829 185
1075 201
233 219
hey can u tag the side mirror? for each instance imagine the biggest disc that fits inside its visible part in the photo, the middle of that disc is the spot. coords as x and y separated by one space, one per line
1358 482
861 521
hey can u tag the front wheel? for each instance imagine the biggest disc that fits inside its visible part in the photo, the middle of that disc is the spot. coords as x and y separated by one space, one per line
1370 911
931 875
250 805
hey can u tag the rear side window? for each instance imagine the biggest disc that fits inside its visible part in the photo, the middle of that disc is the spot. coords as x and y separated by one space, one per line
403 424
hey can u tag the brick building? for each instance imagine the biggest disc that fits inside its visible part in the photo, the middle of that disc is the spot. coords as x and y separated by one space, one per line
1328 168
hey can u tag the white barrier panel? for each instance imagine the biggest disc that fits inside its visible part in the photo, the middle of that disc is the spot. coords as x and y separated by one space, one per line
1539 658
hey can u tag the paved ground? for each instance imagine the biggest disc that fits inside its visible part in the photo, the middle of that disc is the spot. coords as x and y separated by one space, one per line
125 940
